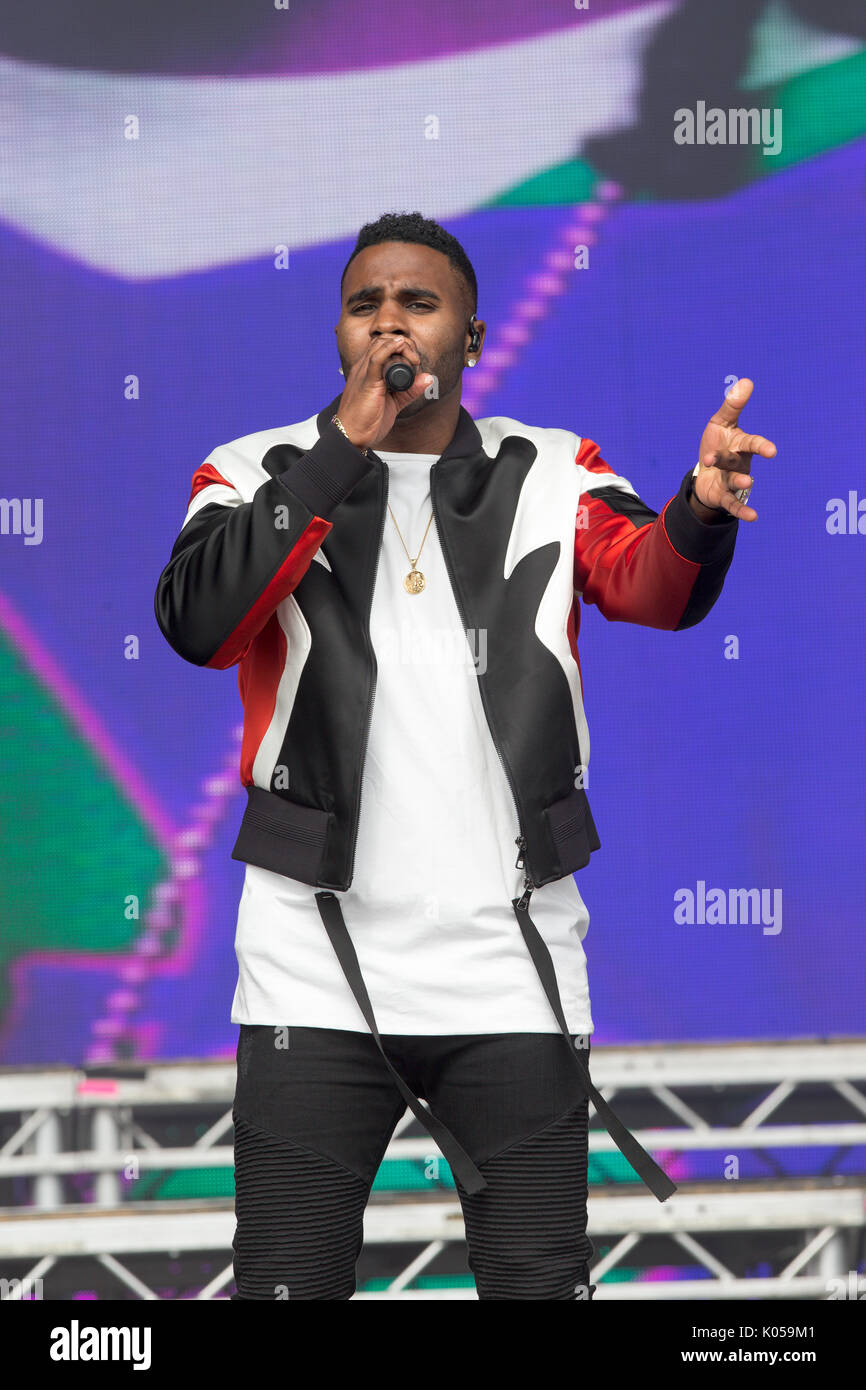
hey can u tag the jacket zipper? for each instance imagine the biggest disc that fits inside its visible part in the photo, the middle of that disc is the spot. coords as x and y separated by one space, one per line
375 679
522 861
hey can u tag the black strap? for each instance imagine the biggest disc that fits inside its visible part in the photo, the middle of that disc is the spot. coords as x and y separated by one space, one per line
461 1164
644 1165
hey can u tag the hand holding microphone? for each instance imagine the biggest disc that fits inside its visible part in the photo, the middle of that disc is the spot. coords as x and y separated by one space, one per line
380 384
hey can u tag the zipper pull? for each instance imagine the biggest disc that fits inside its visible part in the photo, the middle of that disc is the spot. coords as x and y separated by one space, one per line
523 904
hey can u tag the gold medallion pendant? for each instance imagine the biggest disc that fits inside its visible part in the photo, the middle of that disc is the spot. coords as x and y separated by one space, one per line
414 581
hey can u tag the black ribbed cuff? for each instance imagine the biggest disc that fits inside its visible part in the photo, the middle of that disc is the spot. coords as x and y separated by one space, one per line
325 474
701 541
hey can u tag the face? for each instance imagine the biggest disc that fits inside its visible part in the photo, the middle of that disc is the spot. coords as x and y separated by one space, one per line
401 287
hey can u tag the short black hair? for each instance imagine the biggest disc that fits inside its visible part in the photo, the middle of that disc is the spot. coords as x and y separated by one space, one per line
411 226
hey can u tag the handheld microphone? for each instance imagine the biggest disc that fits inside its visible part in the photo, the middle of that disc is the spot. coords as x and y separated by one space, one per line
398 374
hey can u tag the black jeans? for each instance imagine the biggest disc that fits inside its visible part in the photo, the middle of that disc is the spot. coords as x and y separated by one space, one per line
315 1109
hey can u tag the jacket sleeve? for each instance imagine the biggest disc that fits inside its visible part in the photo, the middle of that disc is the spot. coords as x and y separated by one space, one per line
638 566
235 561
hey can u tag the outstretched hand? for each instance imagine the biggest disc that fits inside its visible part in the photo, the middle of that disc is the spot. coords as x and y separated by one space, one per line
725 455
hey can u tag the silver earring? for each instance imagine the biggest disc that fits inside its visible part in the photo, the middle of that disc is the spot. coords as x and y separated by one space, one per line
340 370
472 362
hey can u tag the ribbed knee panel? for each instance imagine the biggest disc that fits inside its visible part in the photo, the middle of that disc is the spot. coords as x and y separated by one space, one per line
300 1220
527 1230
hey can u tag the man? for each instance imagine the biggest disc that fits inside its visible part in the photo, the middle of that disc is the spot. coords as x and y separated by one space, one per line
406 798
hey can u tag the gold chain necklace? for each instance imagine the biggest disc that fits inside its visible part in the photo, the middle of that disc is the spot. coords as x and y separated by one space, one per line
414 581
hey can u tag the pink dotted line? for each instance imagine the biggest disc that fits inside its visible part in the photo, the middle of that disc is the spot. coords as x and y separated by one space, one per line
540 290
113 1032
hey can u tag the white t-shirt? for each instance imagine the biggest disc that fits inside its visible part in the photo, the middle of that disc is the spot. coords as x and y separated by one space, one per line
429 908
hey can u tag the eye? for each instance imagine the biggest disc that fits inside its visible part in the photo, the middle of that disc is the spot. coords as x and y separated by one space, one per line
365 304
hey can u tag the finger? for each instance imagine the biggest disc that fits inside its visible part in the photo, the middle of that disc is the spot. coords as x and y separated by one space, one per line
727 464
419 385
394 342
397 346
754 444
735 483
736 480
369 364
741 510
388 345
729 411
738 485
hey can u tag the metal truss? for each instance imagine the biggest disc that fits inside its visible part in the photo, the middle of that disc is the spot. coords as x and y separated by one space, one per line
810 1229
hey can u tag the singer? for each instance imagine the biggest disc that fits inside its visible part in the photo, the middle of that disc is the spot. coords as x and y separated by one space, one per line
410 928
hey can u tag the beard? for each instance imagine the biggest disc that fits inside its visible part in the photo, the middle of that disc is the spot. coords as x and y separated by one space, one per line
446 371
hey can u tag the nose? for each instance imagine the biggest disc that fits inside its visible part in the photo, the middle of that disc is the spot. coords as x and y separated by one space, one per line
389 321
380 332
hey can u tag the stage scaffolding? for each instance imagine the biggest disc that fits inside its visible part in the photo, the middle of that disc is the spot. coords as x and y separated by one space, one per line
782 1101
